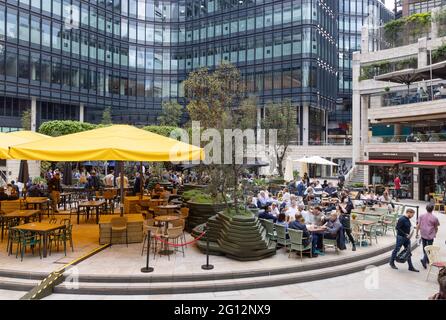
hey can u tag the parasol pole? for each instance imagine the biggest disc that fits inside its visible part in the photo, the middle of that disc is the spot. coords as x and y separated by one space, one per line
141 182
121 185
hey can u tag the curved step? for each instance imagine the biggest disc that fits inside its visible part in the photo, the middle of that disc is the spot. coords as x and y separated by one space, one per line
172 287
153 278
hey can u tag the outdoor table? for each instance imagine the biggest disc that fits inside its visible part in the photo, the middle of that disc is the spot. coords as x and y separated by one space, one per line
43 229
21 214
90 204
37 202
166 219
168 209
131 201
364 223
312 228
64 196
156 202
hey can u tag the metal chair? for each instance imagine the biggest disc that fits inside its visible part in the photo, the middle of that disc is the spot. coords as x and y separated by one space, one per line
296 243
433 254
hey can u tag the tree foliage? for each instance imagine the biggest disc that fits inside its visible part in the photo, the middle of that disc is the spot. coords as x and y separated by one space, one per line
217 100
62 127
26 120
171 114
282 117
107 116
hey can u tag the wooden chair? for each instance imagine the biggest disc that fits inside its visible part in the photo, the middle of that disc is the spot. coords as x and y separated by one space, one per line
154 232
119 224
438 204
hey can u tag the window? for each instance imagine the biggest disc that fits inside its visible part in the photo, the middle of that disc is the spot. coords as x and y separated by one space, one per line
2 23
56 36
35 30
35 66
11 24
57 8
11 64
24 27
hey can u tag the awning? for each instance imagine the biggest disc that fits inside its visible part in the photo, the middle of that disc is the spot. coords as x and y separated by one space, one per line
381 162
17 137
426 164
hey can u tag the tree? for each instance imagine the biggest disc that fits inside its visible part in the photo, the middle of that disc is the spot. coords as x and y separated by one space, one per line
281 116
217 102
106 116
26 120
171 114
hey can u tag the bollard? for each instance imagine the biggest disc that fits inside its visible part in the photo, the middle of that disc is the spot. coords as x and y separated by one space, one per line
147 269
207 266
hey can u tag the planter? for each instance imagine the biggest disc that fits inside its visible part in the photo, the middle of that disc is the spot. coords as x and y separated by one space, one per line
191 186
238 237
199 213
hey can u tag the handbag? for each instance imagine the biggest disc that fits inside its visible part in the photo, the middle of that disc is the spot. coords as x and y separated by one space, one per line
403 256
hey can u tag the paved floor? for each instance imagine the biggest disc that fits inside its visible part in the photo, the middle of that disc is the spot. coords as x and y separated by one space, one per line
373 283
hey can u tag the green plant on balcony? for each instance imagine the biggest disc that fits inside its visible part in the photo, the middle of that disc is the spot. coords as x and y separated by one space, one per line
439 54
386 89
413 26
440 20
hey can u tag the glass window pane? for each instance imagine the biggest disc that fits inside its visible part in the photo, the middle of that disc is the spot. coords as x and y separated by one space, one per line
24 27
35 30
11 24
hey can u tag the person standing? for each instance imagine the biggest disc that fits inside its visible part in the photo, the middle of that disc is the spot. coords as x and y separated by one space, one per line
397 183
403 228
346 207
54 189
428 227
109 179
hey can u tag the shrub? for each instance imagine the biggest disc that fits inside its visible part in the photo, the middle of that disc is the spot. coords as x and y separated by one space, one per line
62 127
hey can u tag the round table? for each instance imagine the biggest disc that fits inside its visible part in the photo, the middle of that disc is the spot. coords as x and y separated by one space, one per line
166 219
168 209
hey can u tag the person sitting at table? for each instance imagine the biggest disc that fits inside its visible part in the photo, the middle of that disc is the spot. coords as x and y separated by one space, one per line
312 200
318 216
291 210
282 220
35 191
286 196
387 199
325 184
3 195
266 214
330 190
307 216
309 190
299 224
274 209
137 185
262 200
333 228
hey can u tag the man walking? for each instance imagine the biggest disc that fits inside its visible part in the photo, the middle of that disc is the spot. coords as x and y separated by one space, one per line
428 227
403 227
54 188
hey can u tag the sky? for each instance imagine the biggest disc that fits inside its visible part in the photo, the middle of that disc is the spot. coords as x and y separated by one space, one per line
389 4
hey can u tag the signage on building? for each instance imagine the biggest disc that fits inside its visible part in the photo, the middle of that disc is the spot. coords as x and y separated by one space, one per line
434 156
391 155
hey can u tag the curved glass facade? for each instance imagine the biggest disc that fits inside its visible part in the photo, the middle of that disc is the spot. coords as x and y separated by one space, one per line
133 54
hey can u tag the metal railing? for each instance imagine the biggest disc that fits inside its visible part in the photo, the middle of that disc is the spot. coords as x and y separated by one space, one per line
418 138
415 95
381 38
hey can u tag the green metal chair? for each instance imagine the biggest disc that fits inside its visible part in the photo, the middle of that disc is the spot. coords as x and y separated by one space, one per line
270 232
296 243
31 240
281 235
389 223
370 232
333 243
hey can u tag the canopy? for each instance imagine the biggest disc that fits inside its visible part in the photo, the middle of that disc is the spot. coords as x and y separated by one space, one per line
381 162
17 137
316 160
117 142
425 164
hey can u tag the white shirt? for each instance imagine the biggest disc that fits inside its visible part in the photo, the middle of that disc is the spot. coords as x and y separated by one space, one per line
286 197
291 212
275 211
307 216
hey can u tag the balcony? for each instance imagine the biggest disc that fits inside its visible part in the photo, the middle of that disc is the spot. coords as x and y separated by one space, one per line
415 138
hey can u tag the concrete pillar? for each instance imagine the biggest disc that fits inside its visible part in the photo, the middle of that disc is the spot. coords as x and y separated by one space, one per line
81 112
416 181
422 52
397 129
364 39
434 25
356 110
33 114
305 124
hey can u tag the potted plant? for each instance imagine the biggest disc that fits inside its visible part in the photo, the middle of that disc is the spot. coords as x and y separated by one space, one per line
354 216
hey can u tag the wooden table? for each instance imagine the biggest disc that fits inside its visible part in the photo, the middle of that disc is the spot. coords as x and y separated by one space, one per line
43 229
312 228
168 209
24 214
64 196
166 219
37 202
131 201
90 204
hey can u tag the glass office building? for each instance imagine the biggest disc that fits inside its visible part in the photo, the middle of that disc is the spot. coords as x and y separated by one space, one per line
353 14
69 59
76 57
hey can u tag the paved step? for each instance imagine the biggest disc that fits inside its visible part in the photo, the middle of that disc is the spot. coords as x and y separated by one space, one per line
213 276
17 284
94 288
23 274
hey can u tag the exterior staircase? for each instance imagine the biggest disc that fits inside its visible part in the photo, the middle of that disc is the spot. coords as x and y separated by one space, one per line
356 176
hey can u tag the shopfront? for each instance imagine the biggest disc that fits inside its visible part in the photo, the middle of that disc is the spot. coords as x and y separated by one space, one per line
383 168
431 174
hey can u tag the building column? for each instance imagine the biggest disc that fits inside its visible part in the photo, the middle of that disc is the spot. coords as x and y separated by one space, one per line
81 112
397 129
364 39
422 52
305 124
416 181
434 25
356 110
33 114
